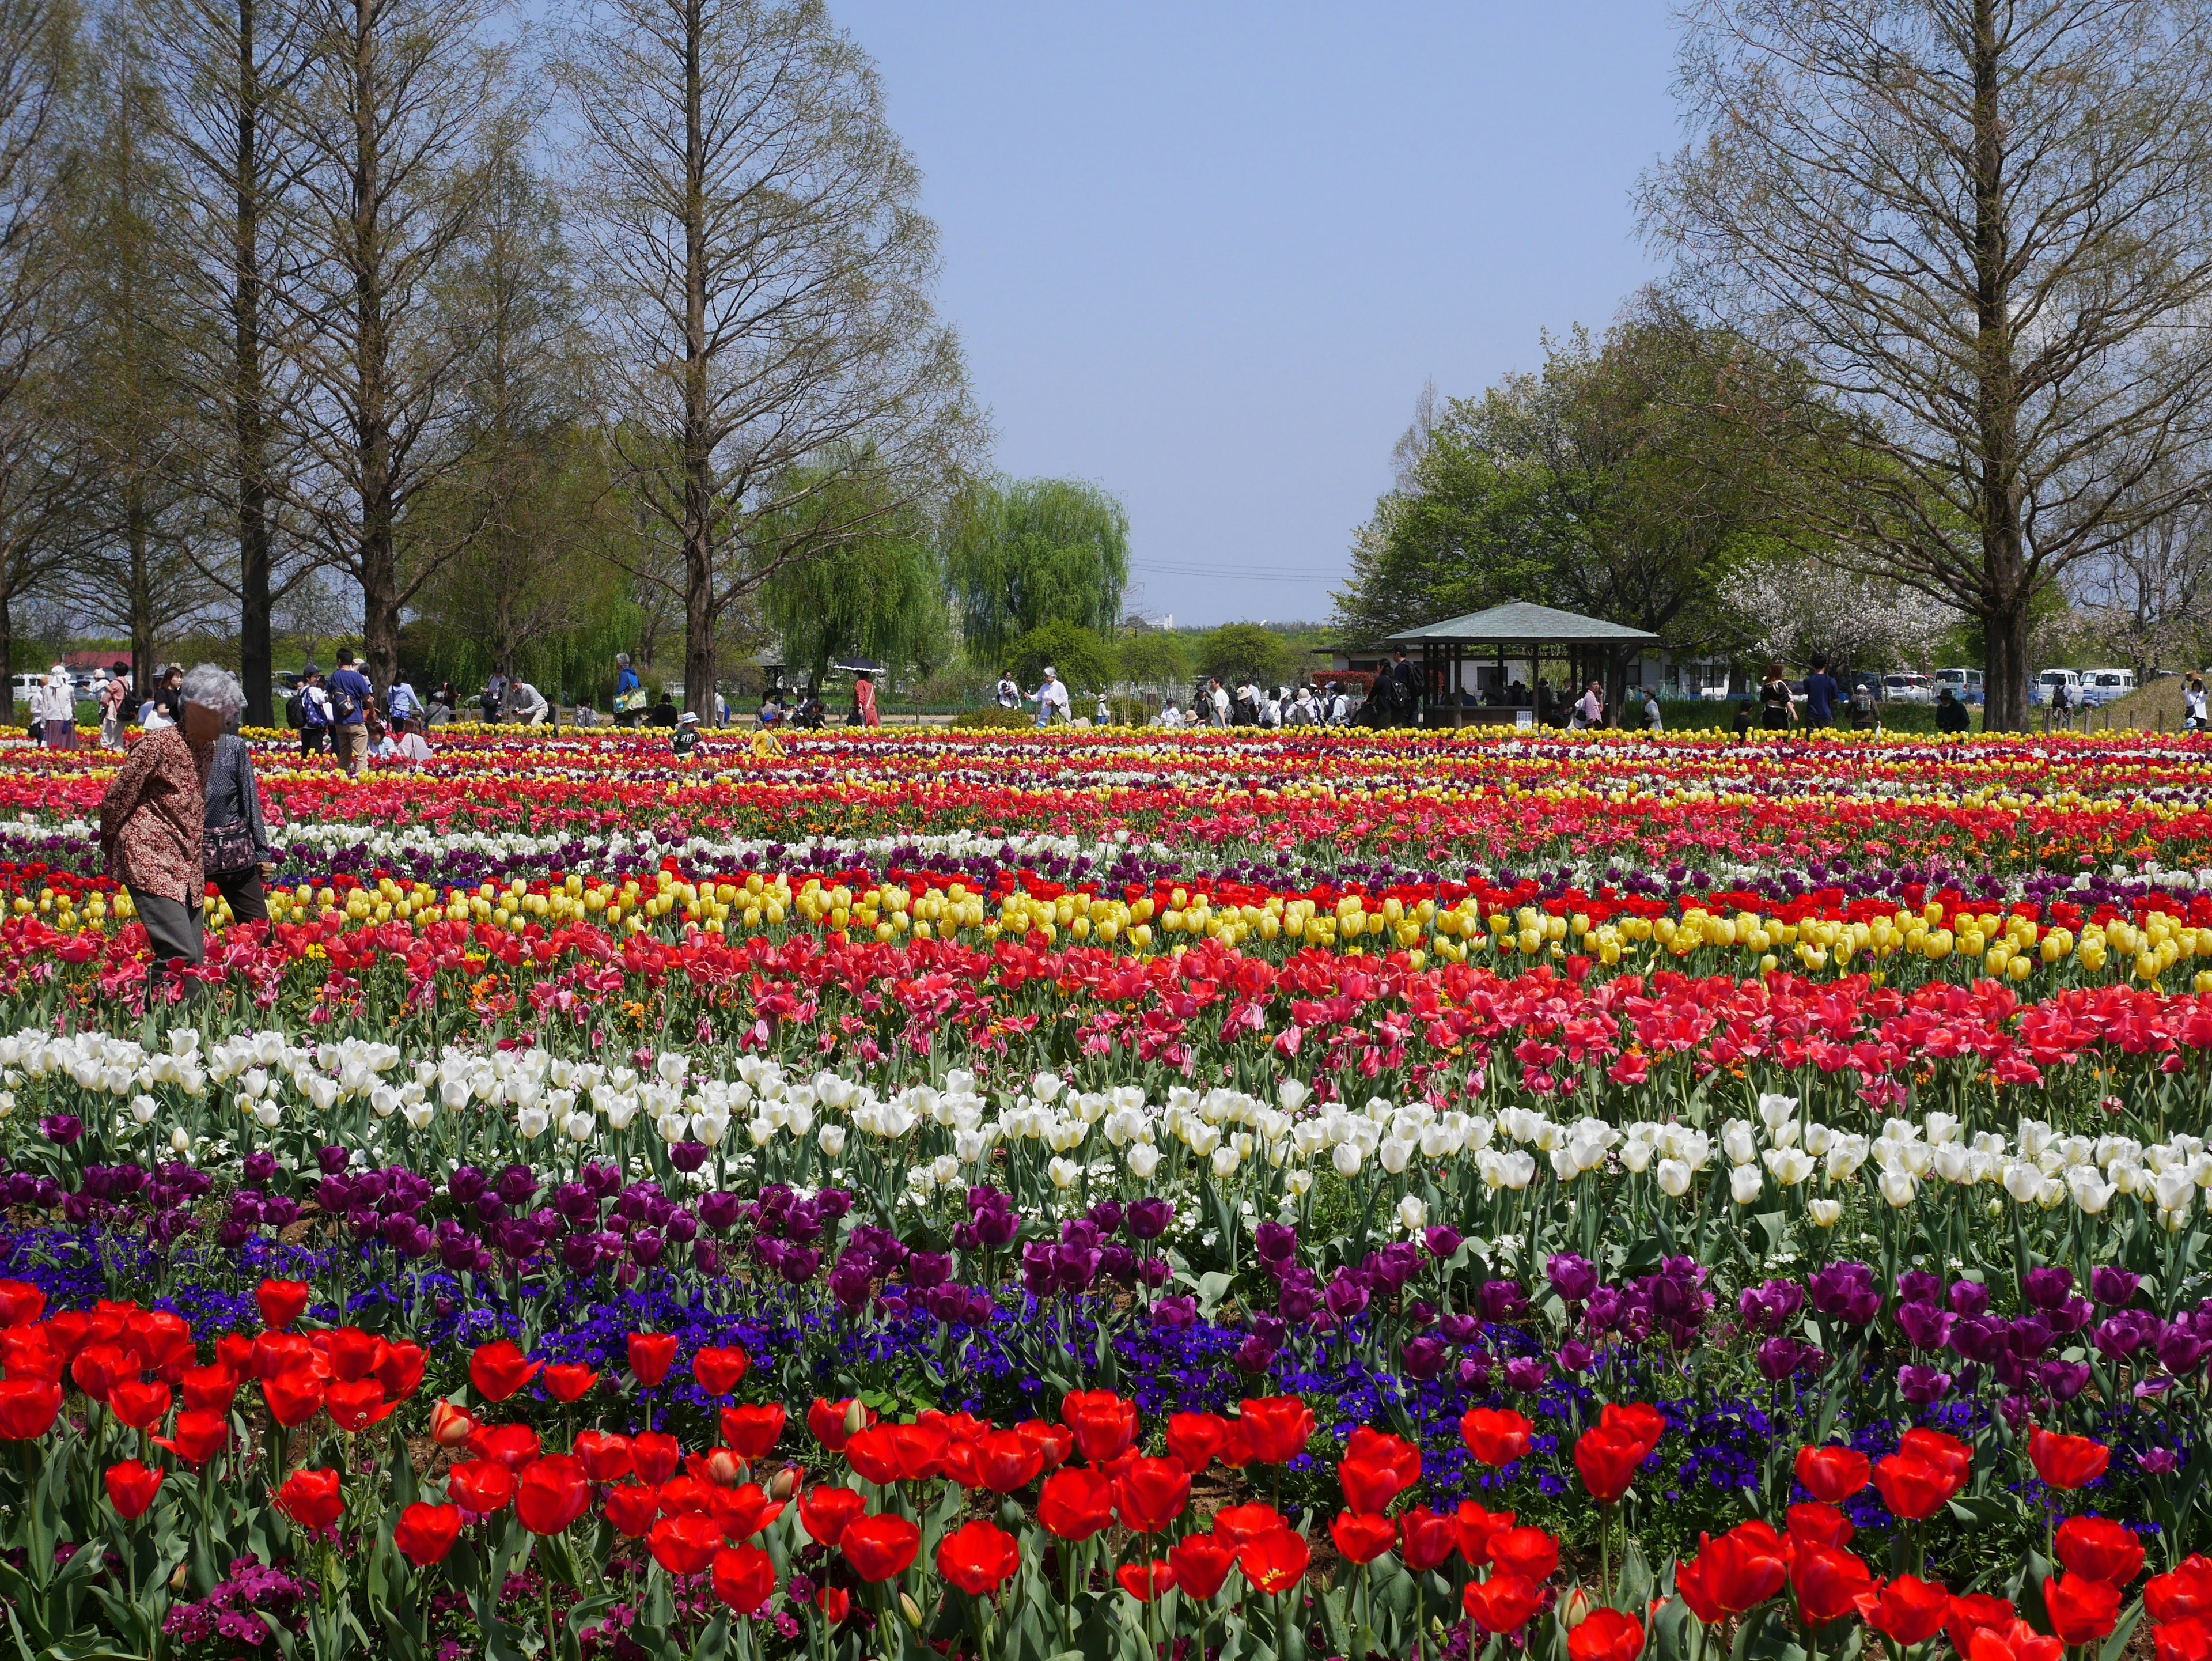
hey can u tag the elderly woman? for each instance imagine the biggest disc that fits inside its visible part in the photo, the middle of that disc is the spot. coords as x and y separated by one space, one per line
153 819
236 852
53 706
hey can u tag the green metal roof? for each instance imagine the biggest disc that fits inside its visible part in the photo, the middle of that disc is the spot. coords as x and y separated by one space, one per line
1517 623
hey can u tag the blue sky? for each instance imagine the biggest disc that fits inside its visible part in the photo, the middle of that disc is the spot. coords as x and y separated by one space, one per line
1206 254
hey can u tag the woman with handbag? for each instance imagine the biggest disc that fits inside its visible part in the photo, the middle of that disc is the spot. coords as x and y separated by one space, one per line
236 854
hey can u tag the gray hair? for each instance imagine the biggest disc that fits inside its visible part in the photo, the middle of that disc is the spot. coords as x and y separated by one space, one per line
214 689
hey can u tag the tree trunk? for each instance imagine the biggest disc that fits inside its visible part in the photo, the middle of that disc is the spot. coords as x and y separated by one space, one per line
698 452
378 556
256 650
142 597
7 652
2008 705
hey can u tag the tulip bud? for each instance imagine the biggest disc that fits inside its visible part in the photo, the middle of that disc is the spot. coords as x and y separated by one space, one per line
856 1417
725 1469
784 1483
1574 1607
911 1611
450 1426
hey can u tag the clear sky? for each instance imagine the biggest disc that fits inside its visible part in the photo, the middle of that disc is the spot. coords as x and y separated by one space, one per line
1205 253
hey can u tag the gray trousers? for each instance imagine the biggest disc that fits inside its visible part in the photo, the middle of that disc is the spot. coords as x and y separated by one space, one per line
172 928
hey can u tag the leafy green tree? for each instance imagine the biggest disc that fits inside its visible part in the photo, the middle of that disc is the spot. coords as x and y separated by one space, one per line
1084 660
879 595
1020 553
1156 659
1245 651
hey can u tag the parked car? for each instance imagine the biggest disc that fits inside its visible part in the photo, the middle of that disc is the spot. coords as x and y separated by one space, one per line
2101 686
1908 688
1965 684
2051 680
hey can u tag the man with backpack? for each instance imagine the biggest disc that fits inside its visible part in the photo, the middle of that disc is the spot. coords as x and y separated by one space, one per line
308 710
351 698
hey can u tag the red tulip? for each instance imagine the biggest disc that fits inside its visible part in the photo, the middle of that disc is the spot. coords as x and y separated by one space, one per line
1529 1553
450 1427
1820 1525
1006 1460
1104 1426
138 1405
1195 1438
719 1371
1638 1418
1053 1443
1362 1538
351 1353
2066 1462
2182 1640
354 1407
569 1382
28 1408
825 1511
498 1370
131 1488
21 1303
1426 1541
1496 1436
826 1421
1277 1561
743 1511
1741 1569
294 1396
751 1432
1947 1453
880 1548
1076 1504
512 1446
686 1496
1606 1459
2082 1610
198 1438
480 1487
552 1494
400 1372
1476 1528
2182 1594
1832 1474
2099 1550
604 1457
425 1533
1502 1603
1905 1610
1240 1524
835 1603
311 1499
978 1558
655 1454
651 1355
1972 1613
631 1509
281 1302
1368 1486
1145 1581
1278 1430
744 1578
1915 1487
209 1389
683 1545
1201 1563
1152 1494
2016 1642
1607 1635
1828 1582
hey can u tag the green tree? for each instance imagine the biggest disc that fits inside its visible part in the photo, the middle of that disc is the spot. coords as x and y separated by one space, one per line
1020 553
1245 651
1081 658
880 594
1154 659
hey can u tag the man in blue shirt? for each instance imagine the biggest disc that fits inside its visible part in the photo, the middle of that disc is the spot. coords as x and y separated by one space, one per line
351 697
1820 695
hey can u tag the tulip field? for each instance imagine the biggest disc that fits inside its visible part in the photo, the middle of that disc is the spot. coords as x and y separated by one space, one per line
1122 1196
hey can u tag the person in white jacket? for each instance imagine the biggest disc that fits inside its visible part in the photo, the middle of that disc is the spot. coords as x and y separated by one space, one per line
53 706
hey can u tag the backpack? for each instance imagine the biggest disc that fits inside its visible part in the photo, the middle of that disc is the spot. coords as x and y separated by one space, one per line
295 709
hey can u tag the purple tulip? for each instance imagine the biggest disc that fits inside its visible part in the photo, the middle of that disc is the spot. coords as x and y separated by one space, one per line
1778 1358
1918 1286
1475 1372
1423 1357
1275 1242
2047 1288
62 1128
720 1210
260 1170
1573 1278
1175 1314
2113 1287
688 1156
1346 1295
797 1266
1576 1356
2065 1379
925 1269
1253 1356
2121 1335
333 1159
1969 1298
1922 1386
1107 1214
1925 1326
1526 1374
2159 1462
1504 1300
1148 1218
1441 1241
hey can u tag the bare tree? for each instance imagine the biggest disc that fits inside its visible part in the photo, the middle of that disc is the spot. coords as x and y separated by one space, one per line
2147 601
765 278
1984 225
38 50
400 113
228 70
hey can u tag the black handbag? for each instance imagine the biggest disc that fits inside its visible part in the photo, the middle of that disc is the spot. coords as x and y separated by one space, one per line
227 848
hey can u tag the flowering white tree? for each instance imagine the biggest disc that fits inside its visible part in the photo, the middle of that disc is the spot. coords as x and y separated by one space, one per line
1804 609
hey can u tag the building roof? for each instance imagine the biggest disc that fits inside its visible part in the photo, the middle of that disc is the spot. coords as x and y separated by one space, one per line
1517 623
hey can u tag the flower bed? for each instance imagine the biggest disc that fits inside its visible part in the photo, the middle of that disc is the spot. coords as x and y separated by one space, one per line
990 1194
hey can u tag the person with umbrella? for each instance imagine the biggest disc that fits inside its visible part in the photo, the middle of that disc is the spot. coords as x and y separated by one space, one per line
863 672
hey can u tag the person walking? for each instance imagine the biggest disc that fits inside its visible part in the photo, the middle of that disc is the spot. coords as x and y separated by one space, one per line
1217 702
1821 694
1051 695
235 853
2193 704
53 706
153 823
114 698
1653 721
313 700
1010 691
629 694
351 697
2061 709
1866 709
1778 711
1590 708
864 701
402 704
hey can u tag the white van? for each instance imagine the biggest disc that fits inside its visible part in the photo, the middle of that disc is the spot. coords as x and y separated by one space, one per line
2101 686
1965 684
1907 688
2051 680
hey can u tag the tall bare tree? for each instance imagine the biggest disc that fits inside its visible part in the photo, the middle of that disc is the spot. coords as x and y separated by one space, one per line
228 70
1986 225
401 113
765 279
37 57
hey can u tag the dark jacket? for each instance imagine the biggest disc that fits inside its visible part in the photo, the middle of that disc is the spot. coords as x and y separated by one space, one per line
231 795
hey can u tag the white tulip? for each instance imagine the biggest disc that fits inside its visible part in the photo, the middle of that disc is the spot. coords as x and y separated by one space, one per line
1673 1178
1297 1184
1144 1160
1225 1161
1790 1165
1412 1213
533 1122
1824 1213
1898 1187
578 1127
1292 1095
145 1109
1745 1184
268 1115
830 1139
1394 1155
1345 1158
1737 1142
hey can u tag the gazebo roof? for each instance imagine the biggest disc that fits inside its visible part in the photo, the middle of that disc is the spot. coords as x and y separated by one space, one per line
1517 623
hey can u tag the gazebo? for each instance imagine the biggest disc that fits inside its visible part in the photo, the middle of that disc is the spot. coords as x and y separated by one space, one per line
1515 632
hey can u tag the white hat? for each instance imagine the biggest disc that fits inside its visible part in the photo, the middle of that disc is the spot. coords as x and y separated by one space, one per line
688 720
1047 671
